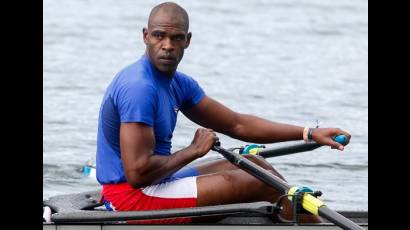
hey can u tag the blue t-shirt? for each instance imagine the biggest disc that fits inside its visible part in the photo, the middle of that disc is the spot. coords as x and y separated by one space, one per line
140 93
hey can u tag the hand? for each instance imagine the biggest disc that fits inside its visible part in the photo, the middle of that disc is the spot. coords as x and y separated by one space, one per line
325 136
203 141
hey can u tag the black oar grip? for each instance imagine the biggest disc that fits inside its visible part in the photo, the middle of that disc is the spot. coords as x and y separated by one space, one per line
216 146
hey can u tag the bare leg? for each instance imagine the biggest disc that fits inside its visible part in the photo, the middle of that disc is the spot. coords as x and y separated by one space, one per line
224 165
236 186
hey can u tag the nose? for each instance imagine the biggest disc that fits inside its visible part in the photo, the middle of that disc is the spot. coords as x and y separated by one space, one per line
167 45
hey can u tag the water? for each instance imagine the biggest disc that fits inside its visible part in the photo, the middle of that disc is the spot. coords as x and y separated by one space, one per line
288 61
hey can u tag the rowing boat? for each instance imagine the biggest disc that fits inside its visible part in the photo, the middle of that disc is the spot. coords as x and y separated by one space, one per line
84 211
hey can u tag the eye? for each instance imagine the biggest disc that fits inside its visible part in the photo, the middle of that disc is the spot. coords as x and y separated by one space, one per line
179 38
157 35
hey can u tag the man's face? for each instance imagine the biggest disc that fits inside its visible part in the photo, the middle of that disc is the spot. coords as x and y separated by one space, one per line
165 39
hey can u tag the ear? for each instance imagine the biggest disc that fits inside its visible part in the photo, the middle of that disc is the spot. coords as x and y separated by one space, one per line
188 39
145 35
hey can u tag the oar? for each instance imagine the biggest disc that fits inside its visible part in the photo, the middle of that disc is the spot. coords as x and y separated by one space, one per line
285 150
291 149
275 151
296 148
309 202
278 151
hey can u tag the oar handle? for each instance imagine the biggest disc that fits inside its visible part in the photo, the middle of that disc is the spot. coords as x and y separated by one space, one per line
216 146
341 139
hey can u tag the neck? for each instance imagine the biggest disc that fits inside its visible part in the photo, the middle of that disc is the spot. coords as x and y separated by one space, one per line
168 75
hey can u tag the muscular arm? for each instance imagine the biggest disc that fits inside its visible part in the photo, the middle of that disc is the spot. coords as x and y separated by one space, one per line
142 168
210 113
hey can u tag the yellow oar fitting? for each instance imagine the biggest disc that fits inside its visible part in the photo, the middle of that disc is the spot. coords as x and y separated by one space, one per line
309 202
252 149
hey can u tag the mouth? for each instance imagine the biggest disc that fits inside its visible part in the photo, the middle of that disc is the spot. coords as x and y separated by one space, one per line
167 60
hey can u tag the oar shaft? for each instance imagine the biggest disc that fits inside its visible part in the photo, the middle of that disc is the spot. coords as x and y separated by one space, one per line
297 148
283 187
285 150
254 169
338 219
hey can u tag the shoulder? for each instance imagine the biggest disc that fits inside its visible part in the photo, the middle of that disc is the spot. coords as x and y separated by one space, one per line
133 79
183 76
188 90
183 79
135 74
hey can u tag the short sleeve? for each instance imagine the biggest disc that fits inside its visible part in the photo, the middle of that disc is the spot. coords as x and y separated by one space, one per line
136 103
193 93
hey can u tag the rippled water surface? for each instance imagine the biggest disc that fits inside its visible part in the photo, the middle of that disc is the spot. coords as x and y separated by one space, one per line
288 61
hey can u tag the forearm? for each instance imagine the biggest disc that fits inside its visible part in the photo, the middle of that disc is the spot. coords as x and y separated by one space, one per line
250 128
157 167
212 114
142 166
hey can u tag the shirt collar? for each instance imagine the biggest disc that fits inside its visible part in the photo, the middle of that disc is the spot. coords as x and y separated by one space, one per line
155 72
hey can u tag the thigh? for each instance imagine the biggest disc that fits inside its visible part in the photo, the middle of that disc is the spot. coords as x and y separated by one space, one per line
215 166
233 186
187 171
221 165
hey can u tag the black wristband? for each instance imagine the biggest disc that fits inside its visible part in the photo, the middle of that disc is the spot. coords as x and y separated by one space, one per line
310 133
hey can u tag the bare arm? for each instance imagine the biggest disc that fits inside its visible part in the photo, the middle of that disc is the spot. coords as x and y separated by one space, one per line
142 168
212 114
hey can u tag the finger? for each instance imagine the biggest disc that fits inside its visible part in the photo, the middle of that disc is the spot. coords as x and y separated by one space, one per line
348 135
338 146
334 145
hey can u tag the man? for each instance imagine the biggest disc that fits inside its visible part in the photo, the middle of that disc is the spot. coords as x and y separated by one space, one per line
137 119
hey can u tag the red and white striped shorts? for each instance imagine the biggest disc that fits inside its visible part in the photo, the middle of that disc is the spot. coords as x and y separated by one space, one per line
179 193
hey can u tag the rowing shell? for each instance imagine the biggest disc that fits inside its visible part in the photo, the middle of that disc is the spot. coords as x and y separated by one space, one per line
83 211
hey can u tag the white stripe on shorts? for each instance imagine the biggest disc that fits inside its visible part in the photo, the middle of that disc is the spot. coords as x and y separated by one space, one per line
182 188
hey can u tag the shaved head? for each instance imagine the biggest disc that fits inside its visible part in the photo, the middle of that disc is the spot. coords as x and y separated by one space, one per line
172 10
167 36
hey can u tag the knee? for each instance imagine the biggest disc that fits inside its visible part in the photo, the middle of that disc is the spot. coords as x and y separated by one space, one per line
228 178
259 161
254 158
274 172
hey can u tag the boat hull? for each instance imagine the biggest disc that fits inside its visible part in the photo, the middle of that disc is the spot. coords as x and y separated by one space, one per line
190 227
83 211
